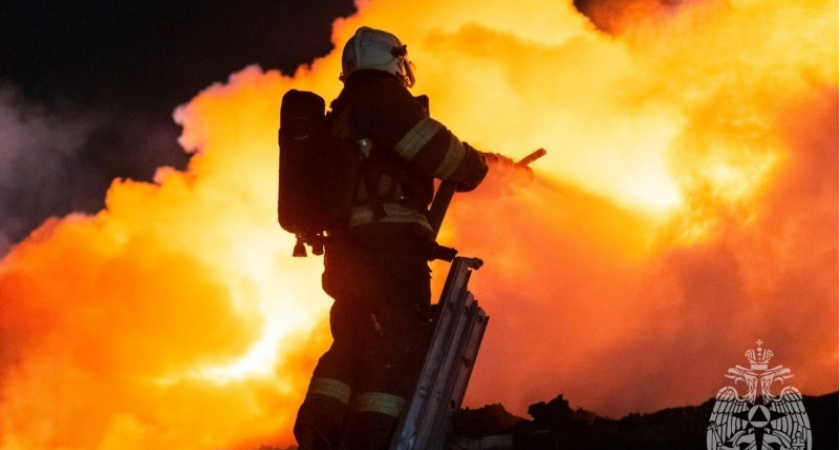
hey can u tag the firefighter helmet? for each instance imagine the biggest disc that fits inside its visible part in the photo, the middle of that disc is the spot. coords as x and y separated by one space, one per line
378 50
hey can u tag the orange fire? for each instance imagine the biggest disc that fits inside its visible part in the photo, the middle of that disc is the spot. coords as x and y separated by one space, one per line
687 207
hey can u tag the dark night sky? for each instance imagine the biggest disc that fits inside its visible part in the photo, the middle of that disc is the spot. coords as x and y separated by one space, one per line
87 87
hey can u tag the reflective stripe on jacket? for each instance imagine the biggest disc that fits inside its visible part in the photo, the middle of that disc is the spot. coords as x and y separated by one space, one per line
409 146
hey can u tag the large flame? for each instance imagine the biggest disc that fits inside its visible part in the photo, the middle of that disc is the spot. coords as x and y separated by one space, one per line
688 206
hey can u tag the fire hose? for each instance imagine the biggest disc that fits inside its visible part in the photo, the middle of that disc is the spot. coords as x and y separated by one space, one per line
443 197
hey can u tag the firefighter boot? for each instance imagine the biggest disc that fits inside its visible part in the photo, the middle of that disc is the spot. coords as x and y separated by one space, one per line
320 423
309 439
368 431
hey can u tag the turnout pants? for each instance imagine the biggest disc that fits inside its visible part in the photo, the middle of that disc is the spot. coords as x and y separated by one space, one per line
379 322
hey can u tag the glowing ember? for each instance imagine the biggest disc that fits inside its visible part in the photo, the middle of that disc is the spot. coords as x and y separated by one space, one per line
688 205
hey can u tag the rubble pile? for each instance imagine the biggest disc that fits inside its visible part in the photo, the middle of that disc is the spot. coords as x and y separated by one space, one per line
554 425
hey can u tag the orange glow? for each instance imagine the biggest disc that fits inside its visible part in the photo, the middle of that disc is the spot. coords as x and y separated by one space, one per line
687 206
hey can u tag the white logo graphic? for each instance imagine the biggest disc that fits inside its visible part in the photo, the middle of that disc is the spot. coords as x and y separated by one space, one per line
758 419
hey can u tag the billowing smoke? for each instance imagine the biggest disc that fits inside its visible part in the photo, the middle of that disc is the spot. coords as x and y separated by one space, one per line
38 149
61 158
687 207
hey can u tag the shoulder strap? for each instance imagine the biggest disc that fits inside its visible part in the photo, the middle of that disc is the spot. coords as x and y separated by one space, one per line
341 126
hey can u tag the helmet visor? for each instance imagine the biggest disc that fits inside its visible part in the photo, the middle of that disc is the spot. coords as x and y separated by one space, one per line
408 69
